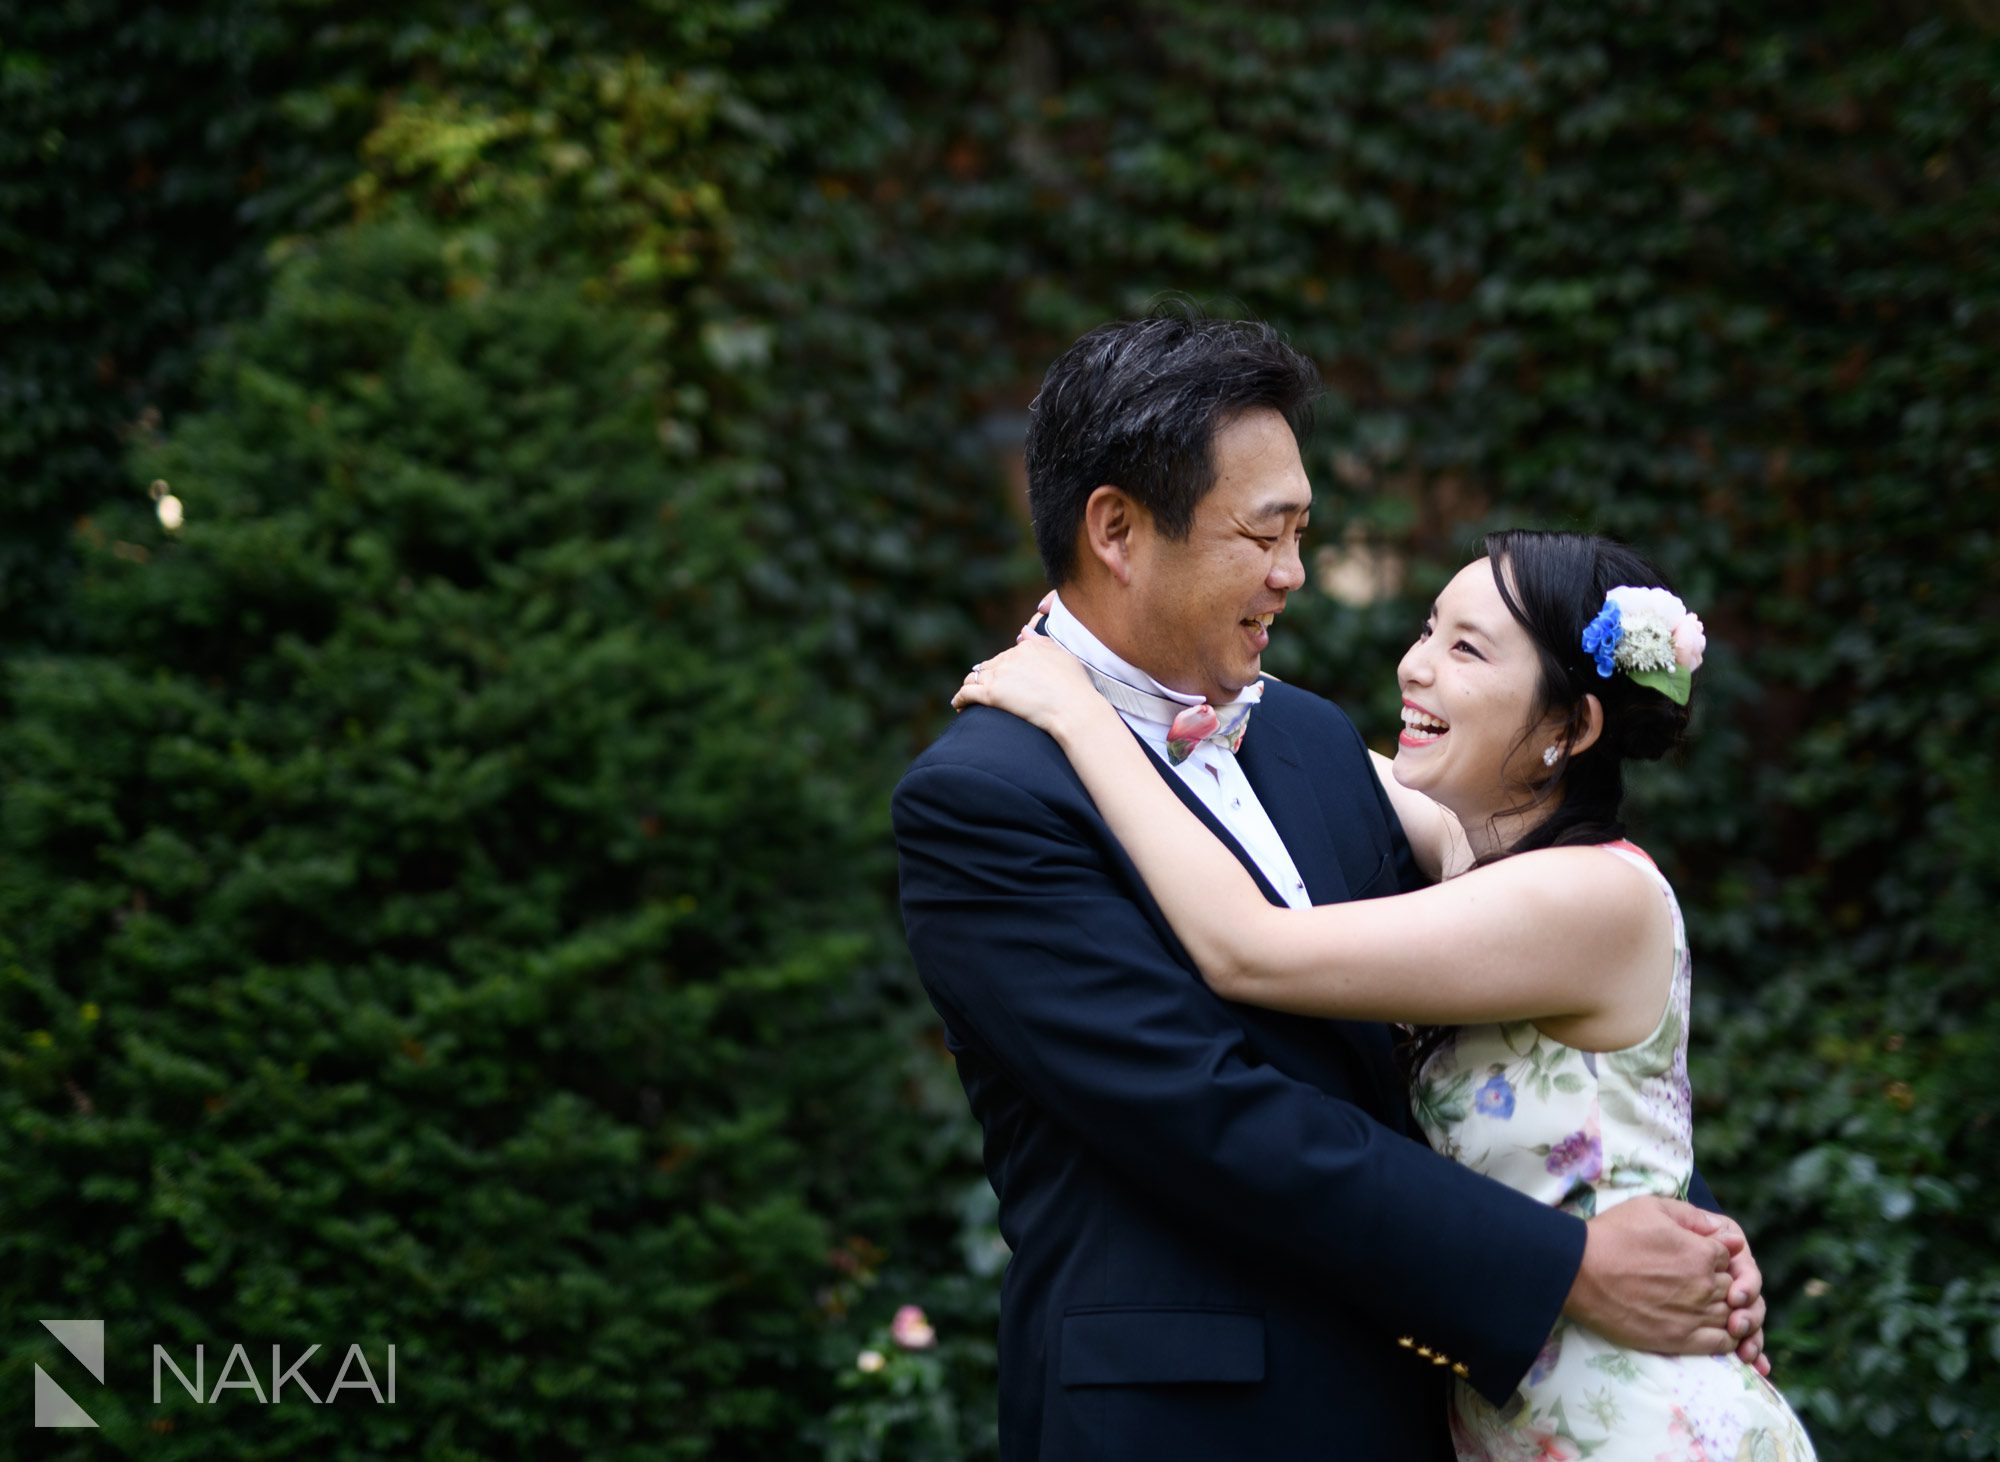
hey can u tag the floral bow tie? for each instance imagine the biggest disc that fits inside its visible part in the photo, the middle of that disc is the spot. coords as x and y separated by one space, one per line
1202 723
1187 726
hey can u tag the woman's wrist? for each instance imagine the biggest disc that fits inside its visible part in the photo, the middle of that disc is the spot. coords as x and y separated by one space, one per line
1078 720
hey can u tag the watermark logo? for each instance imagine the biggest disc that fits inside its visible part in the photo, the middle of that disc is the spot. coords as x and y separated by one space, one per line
83 1339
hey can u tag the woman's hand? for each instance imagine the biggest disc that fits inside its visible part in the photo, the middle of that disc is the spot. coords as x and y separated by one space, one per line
1039 681
1028 629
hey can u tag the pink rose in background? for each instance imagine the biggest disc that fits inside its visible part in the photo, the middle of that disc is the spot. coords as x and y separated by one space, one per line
1690 642
911 1330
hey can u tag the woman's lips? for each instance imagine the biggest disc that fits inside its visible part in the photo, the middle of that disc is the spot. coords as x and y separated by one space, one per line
1421 727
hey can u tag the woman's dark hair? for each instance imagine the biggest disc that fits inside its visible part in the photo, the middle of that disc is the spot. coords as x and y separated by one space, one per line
1137 403
1554 585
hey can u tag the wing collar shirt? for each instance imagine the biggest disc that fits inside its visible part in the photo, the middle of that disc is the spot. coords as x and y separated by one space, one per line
1210 771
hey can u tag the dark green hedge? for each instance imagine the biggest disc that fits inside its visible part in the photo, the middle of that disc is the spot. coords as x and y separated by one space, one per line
468 830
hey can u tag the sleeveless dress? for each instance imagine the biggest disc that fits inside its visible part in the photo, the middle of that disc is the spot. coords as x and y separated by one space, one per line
1584 1131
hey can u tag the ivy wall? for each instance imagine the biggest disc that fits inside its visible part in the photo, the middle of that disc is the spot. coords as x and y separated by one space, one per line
447 896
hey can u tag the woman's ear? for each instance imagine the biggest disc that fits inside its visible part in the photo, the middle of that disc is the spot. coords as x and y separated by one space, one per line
1592 712
1109 519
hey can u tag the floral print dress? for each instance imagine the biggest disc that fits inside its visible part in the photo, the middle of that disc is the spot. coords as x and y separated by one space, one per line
1585 1131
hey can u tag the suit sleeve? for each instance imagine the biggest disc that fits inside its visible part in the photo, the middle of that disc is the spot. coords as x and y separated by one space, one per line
1699 1195
1023 935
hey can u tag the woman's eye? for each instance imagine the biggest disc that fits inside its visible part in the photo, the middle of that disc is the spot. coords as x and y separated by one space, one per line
1462 645
1425 632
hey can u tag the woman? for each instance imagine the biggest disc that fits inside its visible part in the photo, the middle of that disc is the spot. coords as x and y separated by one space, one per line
1547 976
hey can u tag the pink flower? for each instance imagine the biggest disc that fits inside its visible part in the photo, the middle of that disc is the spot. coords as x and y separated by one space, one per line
1690 642
1682 1432
1192 727
911 1330
1553 1447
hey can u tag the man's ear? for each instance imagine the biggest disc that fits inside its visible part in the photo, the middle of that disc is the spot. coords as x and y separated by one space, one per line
1593 726
1110 520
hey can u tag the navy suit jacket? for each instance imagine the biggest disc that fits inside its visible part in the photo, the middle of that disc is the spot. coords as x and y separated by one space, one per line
1227 1239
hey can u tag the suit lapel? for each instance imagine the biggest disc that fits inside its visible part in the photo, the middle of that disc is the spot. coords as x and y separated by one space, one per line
1209 820
1271 763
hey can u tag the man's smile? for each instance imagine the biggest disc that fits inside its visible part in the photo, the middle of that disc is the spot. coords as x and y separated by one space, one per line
1258 627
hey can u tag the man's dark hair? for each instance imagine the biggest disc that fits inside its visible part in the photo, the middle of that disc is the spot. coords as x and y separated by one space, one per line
1136 404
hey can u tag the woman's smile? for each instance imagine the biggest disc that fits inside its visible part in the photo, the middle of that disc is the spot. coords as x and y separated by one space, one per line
1420 726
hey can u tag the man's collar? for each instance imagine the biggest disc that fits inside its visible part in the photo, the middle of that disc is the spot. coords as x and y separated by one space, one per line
1075 636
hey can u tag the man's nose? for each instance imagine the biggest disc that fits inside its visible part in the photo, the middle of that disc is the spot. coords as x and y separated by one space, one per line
1289 572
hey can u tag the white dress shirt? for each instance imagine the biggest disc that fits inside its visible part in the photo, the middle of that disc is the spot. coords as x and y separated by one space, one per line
1210 771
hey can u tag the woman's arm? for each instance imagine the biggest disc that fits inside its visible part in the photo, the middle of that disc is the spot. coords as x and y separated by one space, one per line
1435 838
1528 938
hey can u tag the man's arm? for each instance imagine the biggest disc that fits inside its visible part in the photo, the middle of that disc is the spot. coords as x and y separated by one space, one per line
1019 927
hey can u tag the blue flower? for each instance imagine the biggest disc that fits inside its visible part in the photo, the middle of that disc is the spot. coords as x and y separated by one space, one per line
1601 637
1495 1099
1545 1363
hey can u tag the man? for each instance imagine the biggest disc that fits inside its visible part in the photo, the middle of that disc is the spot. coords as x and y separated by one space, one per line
1226 1242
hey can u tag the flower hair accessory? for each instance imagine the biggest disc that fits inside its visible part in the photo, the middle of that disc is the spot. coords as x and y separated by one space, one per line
1651 636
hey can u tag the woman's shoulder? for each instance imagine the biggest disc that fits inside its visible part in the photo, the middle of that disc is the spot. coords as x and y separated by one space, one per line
1588 880
1609 895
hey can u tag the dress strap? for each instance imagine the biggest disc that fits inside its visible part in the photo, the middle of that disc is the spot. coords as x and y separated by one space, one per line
1639 858
1626 845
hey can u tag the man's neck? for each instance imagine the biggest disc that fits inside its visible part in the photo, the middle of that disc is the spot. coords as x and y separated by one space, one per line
1104 621
1100 619
1094 620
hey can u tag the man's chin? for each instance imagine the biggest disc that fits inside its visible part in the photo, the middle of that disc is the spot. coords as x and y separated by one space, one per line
1236 680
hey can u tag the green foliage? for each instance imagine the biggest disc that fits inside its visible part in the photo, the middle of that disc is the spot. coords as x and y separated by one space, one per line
634 389
393 955
146 155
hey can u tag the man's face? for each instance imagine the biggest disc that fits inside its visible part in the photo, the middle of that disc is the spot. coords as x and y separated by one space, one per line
1203 606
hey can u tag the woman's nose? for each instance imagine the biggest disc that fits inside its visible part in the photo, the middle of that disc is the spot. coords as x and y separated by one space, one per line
1413 668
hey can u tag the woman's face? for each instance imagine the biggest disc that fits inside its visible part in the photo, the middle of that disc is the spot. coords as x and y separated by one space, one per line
1470 687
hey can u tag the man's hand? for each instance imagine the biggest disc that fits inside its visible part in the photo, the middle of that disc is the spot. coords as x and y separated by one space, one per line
1746 1298
1666 1276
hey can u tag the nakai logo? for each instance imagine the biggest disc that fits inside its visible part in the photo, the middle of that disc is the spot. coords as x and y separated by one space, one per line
84 1339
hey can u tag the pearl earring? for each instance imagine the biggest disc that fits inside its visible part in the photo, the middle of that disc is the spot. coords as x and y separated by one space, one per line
1549 756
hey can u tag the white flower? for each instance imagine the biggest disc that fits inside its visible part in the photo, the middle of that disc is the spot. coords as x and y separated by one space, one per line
1654 606
1646 620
